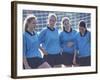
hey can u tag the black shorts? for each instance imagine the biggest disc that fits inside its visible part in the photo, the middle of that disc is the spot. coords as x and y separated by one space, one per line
53 59
67 58
84 61
35 62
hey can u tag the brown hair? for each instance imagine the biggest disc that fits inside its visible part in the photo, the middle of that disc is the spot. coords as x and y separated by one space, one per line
28 20
63 20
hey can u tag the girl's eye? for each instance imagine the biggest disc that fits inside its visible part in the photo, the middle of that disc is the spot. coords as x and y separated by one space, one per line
34 23
52 20
66 23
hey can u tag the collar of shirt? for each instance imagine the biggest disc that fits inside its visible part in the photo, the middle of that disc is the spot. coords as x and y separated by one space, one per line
83 34
67 31
32 34
52 29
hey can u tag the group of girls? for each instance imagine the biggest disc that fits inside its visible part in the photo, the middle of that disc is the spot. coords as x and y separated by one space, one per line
68 47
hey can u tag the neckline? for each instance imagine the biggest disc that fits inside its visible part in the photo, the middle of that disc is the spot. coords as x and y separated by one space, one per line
31 33
84 34
51 29
67 31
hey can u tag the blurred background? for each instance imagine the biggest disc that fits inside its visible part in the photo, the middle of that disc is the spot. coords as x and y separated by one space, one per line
74 17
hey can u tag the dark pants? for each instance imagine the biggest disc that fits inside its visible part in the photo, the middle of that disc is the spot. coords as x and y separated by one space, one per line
53 59
67 58
35 62
84 61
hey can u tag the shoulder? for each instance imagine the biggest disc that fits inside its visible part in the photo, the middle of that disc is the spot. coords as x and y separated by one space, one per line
74 31
61 32
36 33
77 34
88 33
25 34
44 30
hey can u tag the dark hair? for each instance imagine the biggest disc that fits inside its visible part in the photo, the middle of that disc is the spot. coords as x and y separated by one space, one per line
28 21
62 22
82 24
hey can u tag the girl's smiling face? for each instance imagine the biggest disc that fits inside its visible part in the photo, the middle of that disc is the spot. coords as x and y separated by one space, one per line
66 24
52 21
32 24
82 29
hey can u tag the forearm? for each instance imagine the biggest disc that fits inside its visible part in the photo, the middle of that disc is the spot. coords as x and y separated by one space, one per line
74 57
43 51
25 61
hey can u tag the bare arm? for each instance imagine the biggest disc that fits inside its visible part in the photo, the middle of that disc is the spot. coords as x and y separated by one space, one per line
26 65
74 58
44 52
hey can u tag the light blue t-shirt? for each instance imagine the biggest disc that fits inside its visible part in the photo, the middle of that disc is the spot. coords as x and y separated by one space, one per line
65 38
31 45
83 44
50 40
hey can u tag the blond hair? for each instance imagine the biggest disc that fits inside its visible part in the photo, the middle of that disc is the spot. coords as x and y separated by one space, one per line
50 15
28 20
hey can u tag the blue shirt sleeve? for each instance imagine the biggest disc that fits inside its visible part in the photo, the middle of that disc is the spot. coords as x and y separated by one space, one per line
42 36
61 41
90 37
76 42
24 45
75 38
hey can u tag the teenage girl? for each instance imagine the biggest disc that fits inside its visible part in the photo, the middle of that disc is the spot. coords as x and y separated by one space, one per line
83 43
67 41
31 55
49 39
